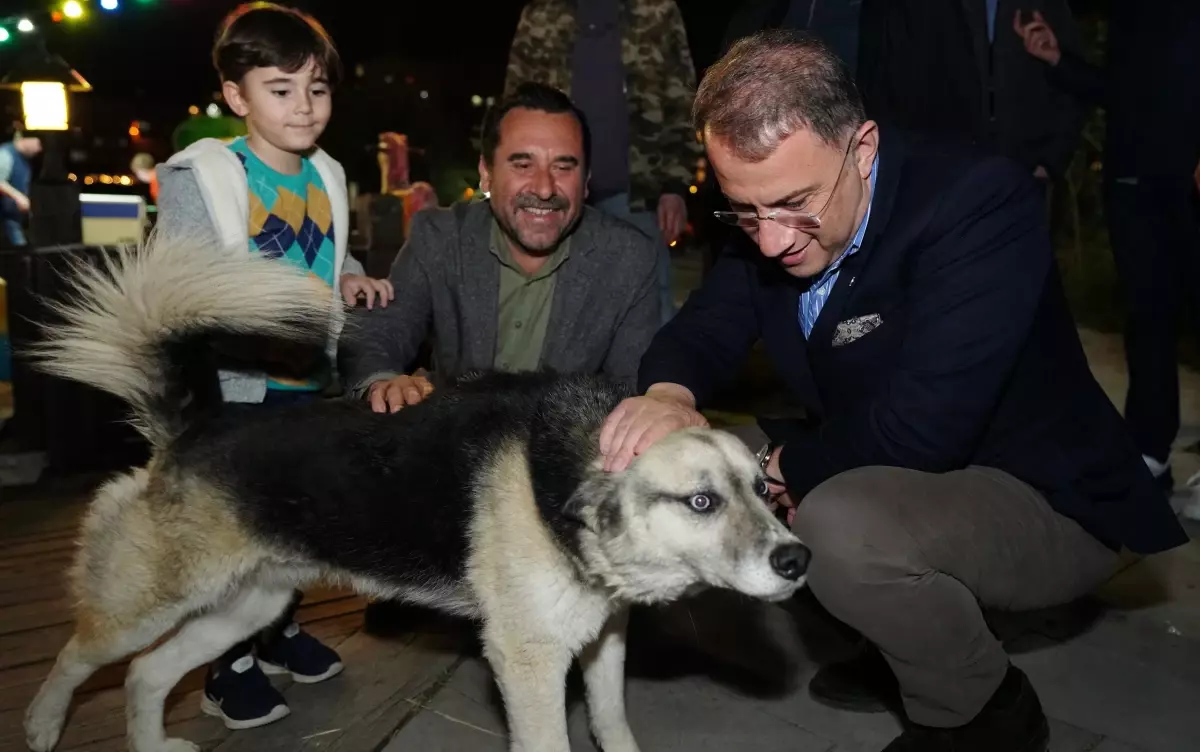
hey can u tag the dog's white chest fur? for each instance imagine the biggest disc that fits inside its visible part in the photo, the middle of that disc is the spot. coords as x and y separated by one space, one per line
517 570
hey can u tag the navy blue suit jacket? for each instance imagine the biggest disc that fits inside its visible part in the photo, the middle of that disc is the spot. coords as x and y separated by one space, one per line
976 362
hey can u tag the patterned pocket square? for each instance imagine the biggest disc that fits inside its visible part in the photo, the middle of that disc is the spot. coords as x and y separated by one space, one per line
855 328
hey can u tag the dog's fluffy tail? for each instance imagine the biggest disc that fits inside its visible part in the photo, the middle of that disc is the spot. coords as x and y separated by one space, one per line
131 320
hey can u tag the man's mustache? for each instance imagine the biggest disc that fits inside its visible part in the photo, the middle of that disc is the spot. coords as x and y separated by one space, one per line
530 201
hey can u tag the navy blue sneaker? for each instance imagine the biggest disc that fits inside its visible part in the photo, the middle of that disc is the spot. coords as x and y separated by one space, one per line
241 695
300 654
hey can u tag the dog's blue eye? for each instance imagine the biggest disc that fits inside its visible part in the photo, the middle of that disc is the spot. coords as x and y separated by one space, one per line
700 502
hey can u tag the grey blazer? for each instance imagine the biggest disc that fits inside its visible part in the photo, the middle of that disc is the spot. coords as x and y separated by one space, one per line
602 318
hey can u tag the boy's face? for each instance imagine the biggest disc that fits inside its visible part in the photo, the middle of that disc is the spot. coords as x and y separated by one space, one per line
288 110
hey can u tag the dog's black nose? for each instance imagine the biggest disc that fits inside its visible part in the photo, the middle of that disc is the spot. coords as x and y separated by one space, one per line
790 560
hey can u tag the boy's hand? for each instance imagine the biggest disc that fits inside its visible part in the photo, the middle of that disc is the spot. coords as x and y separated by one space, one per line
395 394
354 285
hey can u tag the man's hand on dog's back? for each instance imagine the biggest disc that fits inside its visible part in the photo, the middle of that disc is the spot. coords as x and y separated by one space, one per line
391 395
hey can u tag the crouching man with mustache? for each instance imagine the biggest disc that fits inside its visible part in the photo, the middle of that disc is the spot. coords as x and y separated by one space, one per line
528 279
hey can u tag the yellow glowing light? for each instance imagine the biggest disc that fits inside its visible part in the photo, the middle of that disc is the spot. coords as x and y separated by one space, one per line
45 105
126 180
692 189
673 243
73 9
193 110
89 180
106 179
72 177
135 131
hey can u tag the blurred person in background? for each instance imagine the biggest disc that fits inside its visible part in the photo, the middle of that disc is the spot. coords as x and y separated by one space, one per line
1150 89
16 178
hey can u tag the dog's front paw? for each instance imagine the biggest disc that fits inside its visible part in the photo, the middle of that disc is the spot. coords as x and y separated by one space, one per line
41 733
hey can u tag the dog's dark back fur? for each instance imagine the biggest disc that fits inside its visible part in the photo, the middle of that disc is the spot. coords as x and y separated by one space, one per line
390 495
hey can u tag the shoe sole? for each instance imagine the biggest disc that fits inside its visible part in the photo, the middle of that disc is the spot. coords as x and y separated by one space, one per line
273 670
208 707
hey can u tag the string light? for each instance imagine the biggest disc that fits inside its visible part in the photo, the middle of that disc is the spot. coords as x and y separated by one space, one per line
72 10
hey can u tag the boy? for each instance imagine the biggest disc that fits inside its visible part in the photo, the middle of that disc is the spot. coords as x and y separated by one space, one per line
276 193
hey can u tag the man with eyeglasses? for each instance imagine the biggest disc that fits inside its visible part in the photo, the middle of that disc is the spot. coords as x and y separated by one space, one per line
958 453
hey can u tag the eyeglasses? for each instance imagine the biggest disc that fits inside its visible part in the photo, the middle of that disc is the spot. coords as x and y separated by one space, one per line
796 220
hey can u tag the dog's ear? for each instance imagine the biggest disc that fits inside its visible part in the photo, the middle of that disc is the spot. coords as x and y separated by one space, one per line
596 503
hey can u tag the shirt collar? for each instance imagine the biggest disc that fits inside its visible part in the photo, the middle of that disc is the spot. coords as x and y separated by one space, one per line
498 245
859 234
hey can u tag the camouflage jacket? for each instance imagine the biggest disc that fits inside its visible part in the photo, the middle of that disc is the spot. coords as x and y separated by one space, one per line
660 84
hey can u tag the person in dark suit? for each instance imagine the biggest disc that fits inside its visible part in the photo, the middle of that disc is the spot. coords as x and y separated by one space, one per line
1151 203
834 22
954 67
958 452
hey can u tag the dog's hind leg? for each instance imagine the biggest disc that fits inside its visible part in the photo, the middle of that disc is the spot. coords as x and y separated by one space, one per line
200 640
604 676
532 676
95 643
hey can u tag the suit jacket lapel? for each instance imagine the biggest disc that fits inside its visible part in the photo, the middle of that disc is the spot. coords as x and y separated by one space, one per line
480 294
975 16
822 332
788 346
572 282
887 180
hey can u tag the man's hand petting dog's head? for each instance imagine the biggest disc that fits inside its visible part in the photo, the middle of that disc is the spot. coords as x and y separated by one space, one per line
639 422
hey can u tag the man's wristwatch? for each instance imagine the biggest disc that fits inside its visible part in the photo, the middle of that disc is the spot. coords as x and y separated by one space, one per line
764 458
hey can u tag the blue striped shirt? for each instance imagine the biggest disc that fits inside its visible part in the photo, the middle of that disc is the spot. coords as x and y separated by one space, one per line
813 299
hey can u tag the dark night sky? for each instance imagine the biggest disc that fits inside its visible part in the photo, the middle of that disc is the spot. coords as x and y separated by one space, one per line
150 60
163 45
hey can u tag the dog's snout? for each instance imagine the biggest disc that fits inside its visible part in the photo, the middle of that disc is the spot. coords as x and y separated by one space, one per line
790 560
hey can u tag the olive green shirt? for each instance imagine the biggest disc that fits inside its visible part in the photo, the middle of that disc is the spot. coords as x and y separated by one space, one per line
524 309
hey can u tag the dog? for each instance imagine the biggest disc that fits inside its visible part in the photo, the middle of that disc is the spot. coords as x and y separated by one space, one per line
488 500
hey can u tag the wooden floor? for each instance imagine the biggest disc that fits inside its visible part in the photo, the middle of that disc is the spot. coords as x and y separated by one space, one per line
37 535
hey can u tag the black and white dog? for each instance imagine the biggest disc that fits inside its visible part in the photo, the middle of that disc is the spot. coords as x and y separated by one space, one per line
487 500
